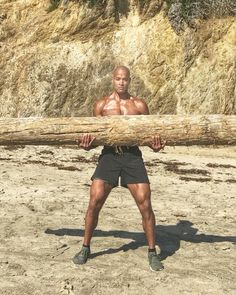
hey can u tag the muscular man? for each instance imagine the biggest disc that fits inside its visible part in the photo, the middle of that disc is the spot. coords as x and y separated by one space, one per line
120 161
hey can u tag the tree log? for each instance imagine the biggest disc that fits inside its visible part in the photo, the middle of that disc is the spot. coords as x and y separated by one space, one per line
120 130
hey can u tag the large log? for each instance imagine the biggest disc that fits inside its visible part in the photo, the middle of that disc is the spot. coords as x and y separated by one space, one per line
120 130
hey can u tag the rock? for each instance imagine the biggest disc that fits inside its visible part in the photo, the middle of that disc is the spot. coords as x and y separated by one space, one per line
56 65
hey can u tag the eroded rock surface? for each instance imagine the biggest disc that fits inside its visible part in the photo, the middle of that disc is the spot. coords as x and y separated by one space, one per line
59 63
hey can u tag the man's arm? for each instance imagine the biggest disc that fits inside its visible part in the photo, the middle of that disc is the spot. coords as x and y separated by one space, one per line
86 140
98 107
141 106
156 144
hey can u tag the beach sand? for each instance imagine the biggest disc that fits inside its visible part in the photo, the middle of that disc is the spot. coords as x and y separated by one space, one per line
43 200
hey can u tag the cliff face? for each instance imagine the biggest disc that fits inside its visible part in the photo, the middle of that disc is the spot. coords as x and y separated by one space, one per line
59 63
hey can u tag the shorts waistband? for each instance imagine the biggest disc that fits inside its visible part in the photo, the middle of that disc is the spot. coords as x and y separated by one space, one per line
120 149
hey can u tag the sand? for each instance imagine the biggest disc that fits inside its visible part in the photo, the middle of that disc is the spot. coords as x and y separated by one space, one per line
43 200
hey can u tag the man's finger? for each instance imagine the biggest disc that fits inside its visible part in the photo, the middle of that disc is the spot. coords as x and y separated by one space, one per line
87 139
154 140
91 139
79 140
158 141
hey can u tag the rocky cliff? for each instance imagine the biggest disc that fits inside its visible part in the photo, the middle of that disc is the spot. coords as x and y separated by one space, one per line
56 61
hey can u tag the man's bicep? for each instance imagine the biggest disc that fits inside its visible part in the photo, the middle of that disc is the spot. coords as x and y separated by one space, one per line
97 109
143 107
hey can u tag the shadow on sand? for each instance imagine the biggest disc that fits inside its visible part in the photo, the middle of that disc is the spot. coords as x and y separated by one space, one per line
168 237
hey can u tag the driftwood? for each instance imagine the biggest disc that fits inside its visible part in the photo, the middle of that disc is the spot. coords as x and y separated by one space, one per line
120 130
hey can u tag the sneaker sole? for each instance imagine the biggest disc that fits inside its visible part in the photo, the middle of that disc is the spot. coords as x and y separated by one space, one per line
160 269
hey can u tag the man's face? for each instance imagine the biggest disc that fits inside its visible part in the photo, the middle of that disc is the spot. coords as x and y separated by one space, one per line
121 80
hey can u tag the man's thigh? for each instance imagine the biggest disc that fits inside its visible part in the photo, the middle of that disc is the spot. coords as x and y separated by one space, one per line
140 191
99 191
133 171
108 169
142 195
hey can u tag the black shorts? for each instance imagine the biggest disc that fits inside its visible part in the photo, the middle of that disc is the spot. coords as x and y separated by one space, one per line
128 166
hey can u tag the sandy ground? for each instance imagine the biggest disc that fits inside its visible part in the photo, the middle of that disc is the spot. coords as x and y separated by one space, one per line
43 200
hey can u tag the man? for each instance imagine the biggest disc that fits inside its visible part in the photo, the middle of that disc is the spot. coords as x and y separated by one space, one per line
120 161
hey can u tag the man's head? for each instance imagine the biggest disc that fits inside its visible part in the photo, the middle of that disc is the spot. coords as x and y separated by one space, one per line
121 79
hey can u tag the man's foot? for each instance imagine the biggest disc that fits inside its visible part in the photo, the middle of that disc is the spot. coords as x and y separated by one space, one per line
82 256
154 261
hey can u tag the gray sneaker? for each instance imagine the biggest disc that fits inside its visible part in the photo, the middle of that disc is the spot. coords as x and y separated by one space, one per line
82 256
154 261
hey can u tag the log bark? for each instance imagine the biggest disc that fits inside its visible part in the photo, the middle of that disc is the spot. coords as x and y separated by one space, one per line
120 130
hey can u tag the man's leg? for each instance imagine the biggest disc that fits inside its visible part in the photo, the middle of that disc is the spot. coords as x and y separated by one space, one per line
142 196
99 192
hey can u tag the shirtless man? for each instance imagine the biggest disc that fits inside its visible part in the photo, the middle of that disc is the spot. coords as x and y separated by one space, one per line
120 161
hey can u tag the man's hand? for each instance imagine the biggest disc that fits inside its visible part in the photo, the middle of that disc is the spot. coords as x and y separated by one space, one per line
157 144
85 141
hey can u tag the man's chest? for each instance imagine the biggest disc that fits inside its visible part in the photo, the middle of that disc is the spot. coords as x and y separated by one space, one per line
126 107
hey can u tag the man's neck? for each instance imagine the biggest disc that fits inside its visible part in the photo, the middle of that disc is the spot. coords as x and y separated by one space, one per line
123 96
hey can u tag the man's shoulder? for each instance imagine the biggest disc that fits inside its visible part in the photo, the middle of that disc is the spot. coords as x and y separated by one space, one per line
99 105
141 105
138 100
101 100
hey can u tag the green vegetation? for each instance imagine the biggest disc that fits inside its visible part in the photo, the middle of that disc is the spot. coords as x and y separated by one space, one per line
92 2
143 2
204 8
184 4
187 9
182 12
53 5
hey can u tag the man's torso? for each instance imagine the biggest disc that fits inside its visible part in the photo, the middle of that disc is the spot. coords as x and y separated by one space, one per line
111 106
114 105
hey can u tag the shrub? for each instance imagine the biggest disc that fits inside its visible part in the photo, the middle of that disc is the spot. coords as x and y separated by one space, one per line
204 8
53 5
181 12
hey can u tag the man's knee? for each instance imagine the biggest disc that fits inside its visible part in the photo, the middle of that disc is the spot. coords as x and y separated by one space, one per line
145 206
97 197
